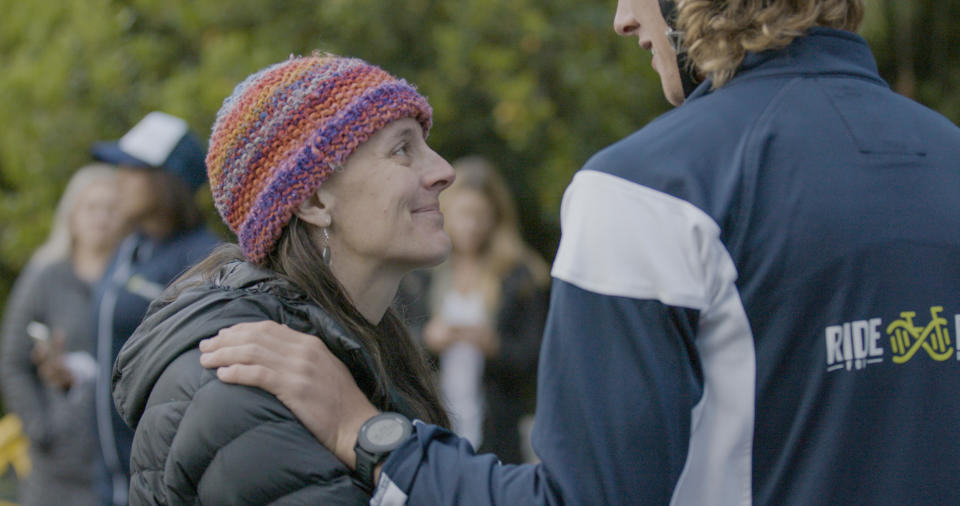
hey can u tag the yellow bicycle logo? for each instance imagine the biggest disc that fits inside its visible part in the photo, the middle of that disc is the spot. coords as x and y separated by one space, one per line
906 338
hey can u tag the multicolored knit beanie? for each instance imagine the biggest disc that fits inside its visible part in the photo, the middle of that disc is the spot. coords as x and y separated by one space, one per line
287 128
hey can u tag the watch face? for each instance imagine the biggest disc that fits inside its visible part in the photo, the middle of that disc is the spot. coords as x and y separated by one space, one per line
384 433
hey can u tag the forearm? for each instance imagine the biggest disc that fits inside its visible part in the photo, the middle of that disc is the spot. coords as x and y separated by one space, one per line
347 434
436 467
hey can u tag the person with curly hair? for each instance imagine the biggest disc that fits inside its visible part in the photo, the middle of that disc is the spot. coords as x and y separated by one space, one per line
740 296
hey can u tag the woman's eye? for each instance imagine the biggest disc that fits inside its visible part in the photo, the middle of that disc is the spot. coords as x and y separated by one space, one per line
400 150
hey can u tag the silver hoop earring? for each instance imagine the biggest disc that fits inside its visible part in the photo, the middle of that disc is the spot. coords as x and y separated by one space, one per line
325 251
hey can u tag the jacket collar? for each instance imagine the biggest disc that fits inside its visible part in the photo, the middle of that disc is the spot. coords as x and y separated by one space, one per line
242 275
822 51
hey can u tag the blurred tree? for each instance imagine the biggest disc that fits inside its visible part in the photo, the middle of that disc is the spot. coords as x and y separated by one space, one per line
537 86
913 42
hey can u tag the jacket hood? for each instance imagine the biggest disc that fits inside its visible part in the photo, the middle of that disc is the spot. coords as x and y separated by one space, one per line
238 292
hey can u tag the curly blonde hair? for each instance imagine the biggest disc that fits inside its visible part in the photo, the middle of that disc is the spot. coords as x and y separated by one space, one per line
718 33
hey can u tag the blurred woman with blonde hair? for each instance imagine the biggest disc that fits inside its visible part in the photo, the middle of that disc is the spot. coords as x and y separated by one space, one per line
48 344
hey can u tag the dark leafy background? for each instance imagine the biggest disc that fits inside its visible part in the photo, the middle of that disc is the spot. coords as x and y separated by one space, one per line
535 85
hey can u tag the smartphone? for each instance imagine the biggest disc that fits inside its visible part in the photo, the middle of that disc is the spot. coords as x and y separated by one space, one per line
38 331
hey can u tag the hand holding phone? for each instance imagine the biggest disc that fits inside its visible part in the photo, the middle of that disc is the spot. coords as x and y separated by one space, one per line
38 331
47 356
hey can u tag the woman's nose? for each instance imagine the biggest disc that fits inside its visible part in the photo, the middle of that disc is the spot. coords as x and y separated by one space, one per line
440 173
624 23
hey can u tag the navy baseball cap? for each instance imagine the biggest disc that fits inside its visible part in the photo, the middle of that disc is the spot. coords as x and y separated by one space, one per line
159 141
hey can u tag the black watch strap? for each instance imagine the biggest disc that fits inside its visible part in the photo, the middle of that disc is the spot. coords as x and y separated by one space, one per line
379 436
366 463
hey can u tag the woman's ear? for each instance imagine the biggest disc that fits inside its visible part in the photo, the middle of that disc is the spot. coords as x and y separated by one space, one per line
315 210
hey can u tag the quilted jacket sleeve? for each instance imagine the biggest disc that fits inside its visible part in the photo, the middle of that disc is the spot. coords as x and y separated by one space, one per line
231 445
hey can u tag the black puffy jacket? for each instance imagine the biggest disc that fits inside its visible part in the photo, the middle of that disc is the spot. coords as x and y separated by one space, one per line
201 441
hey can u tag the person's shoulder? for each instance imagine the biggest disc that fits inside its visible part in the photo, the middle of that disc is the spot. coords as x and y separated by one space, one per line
35 281
229 432
688 153
48 272
172 328
214 413
204 235
172 256
660 156
519 275
664 143
519 282
926 125
198 243
221 438
57 268
223 412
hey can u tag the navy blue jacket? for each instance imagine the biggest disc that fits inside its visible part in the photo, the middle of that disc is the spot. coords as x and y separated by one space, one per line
755 300
138 273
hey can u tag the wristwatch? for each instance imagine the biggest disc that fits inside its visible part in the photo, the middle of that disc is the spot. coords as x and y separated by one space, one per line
378 437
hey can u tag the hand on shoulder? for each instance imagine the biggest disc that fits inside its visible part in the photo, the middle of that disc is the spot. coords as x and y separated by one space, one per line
300 371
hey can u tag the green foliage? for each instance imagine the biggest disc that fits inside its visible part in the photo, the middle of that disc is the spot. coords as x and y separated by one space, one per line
914 43
537 86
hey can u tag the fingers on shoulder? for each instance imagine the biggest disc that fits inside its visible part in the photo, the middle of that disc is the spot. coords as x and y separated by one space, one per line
249 330
253 375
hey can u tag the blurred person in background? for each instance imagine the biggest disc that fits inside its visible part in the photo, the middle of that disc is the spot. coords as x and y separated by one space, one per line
48 365
160 166
320 165
486 306
752 298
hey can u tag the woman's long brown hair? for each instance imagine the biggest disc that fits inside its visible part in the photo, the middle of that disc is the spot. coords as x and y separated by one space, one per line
399 364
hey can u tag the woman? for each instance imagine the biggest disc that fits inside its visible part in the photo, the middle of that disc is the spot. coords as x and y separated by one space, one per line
48 341
319 164
487 305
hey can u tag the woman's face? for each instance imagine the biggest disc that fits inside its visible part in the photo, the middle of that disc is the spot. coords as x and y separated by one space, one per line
384 205
95 223
138 196
469 218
